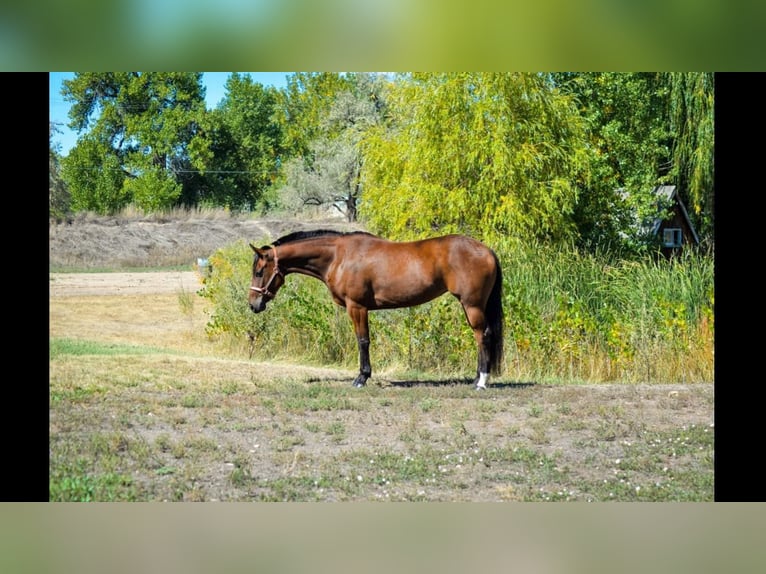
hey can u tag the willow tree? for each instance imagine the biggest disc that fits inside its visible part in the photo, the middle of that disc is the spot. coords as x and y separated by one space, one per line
691 118
480 153
644 129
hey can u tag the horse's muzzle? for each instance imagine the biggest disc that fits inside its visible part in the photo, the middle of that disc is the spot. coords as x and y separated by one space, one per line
258 305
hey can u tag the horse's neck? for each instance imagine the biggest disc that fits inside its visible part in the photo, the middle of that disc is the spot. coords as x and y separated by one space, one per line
310 258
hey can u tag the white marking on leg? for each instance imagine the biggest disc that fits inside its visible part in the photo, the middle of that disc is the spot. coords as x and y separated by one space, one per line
482 384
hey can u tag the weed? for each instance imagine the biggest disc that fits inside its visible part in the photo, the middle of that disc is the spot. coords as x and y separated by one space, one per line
336 430
535 411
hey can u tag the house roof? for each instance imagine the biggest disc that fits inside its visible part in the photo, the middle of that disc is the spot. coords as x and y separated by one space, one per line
669 194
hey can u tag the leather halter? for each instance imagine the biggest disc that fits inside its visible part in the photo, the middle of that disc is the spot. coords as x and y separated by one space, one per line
264 291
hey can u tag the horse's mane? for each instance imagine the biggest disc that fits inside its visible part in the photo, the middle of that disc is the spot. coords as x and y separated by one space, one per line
301 235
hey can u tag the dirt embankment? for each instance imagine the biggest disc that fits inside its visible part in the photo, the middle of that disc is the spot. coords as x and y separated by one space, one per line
124 243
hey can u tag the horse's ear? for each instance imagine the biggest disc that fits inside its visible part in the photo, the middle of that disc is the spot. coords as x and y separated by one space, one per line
254 248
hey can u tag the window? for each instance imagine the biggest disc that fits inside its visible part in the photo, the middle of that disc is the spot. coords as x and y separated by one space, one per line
672 237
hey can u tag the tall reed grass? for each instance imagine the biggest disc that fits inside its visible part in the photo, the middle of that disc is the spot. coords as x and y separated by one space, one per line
570 316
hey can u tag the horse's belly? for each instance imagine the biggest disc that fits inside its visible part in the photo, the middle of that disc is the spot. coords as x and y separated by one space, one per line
408 285
406 295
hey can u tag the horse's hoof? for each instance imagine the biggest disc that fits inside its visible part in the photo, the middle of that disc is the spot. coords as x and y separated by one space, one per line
359 385
479 388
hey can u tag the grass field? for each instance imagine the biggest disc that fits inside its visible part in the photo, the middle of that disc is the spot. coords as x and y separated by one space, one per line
143 407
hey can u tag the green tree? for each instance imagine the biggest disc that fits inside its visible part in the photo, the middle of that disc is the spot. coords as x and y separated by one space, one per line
480 153
329 174
691 119
142 140
629 150
644 129
302 105
58 195
94 176
245 145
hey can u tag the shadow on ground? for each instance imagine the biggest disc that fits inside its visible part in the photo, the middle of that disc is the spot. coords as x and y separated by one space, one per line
444 382
430 383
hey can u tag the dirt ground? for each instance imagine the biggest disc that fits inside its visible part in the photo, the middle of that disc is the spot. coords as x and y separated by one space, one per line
73 284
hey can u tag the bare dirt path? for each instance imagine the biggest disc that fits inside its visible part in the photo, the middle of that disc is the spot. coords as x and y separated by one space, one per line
74 284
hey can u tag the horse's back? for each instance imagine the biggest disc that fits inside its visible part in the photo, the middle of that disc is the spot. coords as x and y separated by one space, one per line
444 250
461 252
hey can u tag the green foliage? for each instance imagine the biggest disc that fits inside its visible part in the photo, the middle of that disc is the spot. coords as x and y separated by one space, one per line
430 337
644 129
94 177
227 286
58 194
303 105
245 147
560 157
154 190
328 174
140 130
302 317
691 117
628 140
595 317
489 154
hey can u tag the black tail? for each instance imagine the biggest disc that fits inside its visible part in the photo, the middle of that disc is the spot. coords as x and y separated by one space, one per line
494 316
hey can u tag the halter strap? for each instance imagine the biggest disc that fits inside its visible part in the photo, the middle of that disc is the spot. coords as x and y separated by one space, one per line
264 291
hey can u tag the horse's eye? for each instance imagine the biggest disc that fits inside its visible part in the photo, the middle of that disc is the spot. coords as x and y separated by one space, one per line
259 273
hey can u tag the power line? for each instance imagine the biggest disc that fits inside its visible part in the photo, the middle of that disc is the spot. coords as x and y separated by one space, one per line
98 168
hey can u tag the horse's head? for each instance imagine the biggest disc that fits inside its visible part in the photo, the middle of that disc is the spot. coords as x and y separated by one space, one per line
267 277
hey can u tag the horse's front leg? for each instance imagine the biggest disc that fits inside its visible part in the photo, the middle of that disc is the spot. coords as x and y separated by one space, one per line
362 329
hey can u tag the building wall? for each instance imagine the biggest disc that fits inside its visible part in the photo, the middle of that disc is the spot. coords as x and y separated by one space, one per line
676 221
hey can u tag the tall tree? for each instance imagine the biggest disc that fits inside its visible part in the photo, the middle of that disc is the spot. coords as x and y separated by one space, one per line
144 127
58 195
302 105
482 153
94 176
629 150
691 106
329 174
246 145
644 129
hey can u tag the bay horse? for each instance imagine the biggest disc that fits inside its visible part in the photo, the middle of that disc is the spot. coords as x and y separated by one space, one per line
365 273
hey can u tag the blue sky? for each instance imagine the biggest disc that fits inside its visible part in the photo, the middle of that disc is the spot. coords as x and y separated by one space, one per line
214 93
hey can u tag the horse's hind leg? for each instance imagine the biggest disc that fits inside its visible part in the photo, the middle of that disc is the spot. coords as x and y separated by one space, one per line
478 322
